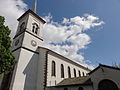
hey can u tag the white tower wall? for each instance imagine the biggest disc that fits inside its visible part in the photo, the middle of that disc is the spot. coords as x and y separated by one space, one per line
29 67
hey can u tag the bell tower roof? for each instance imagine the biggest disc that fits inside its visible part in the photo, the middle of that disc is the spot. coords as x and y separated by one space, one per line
32 13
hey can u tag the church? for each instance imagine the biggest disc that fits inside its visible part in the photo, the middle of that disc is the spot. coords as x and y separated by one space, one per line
40 68
37 66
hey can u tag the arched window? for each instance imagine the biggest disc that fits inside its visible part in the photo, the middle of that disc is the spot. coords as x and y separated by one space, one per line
35 28
22 26
62 71
83 74
79 73
69 72
74 73
107 85
80 88
53 69
65 88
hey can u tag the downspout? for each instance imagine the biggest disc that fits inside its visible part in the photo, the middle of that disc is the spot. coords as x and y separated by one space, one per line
45 70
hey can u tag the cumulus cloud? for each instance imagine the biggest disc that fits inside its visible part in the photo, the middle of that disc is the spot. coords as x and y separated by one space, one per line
11 10
67 37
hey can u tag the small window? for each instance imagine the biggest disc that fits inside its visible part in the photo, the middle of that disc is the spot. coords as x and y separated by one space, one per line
35 28
53 69
79 73
65 88
22 26
74 73
36 31
83 74
62 71
80 88
69 72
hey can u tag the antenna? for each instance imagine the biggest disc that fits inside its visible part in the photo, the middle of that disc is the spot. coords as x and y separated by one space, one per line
34 6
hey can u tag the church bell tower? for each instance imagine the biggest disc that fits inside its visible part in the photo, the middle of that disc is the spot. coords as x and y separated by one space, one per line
25 44
30 29
29 32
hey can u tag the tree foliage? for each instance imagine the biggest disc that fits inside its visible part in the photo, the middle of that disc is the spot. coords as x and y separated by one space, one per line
7 61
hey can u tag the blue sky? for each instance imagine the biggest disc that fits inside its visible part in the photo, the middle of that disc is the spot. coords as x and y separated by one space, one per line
105 44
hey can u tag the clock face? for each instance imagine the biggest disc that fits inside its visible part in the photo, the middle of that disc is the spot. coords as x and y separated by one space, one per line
33 43
16 42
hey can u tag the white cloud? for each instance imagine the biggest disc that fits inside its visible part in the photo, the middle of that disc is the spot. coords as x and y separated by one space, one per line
66 38
65 21
11 10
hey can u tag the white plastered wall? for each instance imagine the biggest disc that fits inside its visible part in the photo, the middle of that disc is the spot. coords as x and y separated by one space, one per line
53 80
26 69
27 41
28 73
32 19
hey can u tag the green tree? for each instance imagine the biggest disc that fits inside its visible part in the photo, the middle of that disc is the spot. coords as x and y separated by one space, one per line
7 60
